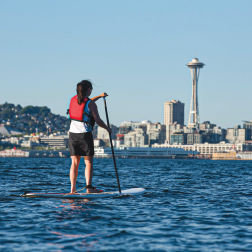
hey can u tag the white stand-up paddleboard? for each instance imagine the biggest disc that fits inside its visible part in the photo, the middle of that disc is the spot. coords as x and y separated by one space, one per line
131 191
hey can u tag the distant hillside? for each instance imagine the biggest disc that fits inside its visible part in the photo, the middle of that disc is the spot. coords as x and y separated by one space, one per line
32 119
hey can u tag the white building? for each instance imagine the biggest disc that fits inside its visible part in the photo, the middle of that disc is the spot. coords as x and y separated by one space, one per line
12 140
244 155
56 141
207 148
136 138
14 153
104 135
156 133
236 135
133 152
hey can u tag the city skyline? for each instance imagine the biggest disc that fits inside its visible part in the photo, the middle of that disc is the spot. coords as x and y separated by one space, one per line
136 51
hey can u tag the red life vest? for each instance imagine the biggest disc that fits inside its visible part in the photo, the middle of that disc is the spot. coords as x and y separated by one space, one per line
76 110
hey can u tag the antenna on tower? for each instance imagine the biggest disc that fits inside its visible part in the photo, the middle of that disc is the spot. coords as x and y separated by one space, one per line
194 66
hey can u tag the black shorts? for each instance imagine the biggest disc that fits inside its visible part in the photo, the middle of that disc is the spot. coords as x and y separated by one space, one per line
81 144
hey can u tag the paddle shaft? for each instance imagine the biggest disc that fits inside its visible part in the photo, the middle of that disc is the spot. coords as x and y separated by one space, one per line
111 144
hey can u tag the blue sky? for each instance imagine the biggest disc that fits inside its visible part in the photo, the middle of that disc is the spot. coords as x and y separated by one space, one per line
135 50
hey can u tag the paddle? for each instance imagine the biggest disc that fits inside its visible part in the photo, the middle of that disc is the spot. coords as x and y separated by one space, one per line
111 144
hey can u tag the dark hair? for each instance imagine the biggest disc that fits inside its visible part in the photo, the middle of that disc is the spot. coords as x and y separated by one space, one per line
81 89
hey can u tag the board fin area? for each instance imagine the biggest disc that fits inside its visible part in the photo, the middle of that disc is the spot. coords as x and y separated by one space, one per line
131 191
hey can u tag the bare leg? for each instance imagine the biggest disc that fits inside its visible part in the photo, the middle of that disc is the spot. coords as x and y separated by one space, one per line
89 174
74 172
89 169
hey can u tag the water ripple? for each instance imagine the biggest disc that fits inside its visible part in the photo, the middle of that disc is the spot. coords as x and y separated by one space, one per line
189 205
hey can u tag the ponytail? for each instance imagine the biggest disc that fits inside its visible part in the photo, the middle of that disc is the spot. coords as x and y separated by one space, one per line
81 90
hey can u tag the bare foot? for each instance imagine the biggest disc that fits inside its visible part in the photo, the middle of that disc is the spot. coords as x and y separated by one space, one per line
93 190
73 192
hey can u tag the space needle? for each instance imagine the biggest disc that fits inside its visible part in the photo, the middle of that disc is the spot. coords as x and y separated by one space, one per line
194 66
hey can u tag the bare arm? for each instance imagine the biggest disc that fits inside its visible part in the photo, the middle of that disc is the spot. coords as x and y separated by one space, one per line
99 96
95 114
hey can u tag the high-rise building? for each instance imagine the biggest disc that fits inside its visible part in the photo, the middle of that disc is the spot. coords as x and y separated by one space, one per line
173 115
174 112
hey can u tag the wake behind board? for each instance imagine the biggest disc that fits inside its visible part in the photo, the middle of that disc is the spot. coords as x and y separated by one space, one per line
132 191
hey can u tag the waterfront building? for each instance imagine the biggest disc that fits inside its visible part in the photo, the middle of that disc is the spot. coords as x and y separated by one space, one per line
55 141
246 155
145 152
224 155
207 148
232 155
14 153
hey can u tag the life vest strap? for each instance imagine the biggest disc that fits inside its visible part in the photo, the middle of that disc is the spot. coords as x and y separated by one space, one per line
76 120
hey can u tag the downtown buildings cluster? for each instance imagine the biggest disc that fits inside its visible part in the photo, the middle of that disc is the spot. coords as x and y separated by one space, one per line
206 138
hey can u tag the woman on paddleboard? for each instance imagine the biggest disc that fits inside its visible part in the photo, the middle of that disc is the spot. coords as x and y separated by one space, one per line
83 114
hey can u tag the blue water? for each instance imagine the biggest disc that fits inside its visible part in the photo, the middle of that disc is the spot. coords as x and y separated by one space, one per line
189 205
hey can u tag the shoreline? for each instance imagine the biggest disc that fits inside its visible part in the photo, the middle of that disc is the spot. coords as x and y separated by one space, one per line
17 153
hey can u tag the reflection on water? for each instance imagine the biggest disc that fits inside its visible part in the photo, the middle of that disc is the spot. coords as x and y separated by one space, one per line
73 204
78 241
189 205
71 209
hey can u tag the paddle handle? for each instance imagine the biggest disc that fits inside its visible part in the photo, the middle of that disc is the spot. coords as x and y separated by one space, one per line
111 144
